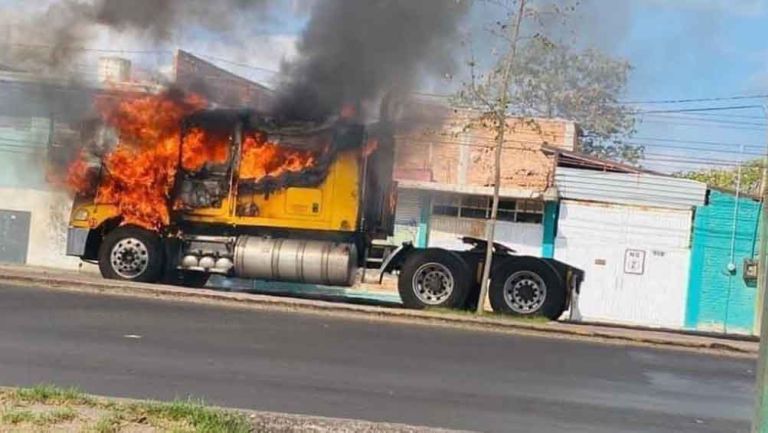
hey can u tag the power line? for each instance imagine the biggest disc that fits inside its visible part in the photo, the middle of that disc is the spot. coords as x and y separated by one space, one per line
705 125
693 110
695 118
722 143
245 65
648 156
725 115
730 152
689 100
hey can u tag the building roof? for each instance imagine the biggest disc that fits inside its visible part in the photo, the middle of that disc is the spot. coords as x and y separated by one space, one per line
575 159
637 189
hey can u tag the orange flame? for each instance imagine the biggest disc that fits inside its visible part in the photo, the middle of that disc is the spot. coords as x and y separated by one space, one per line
79 175
139 173
264 158
201 147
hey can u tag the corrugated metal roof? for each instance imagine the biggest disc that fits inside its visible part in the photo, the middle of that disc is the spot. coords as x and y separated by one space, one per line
641 189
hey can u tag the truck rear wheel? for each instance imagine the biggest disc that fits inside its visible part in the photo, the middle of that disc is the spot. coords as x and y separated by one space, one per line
434 278
132 254
527 287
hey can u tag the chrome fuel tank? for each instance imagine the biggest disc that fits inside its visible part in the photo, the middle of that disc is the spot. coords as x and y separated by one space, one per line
295 260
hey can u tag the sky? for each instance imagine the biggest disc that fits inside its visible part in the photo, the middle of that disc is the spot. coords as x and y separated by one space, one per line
690 49
679 50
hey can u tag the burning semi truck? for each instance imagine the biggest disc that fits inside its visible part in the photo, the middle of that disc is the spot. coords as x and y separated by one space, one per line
184 192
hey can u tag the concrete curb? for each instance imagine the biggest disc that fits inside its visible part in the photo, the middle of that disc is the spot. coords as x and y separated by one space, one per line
63 280
288 423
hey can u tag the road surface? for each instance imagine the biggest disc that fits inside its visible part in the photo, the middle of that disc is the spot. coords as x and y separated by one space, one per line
338 367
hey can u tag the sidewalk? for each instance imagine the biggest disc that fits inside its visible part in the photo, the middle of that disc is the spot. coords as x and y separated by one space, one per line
369 308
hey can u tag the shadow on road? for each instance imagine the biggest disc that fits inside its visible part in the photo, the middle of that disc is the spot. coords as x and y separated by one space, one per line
306 291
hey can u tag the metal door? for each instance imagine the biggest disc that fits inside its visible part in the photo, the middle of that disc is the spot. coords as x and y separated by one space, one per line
636 261
14 236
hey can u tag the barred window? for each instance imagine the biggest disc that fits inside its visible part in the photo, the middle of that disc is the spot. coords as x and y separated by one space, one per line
479 207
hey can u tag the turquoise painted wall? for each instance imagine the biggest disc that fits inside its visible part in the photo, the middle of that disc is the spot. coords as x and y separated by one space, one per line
551 211
422 241
718 300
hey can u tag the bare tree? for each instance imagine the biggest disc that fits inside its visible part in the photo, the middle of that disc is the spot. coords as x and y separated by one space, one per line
493 96
534 76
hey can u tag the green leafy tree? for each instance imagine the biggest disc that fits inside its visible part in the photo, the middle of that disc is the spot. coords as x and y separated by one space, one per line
728 178
550 79
531 76
553 80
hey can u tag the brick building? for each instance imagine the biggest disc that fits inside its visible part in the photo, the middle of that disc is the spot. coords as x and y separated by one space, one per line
218 85
444 169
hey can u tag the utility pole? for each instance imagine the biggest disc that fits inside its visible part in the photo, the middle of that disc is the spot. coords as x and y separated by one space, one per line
501 118
760 417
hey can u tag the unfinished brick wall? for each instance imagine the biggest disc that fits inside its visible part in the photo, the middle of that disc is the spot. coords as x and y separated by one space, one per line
460 150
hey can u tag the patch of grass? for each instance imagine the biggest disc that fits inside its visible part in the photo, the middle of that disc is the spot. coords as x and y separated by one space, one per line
59 415
40 419
202 419
109 423
18 417
46 405
472 313
51 394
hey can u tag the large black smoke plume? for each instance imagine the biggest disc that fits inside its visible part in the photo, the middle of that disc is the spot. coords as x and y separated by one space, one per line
353 51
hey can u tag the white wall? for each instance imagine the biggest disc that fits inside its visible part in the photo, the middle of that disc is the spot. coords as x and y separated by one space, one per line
48 226
445 232
595 237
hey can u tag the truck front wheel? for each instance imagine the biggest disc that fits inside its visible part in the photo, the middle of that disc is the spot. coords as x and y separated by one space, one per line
131 253
527 287
434 278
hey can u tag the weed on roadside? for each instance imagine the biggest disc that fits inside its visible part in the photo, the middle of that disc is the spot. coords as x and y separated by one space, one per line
44 407
51 394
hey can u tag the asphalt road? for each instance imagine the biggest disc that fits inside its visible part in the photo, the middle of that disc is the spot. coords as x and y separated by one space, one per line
337 367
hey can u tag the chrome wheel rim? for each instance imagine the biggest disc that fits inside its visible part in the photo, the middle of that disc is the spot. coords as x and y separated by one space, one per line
129 258
432 283
524 292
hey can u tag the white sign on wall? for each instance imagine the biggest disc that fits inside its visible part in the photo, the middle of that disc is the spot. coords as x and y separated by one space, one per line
634 262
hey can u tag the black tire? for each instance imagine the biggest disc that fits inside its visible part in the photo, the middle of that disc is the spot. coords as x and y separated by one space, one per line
139 258
445 266
531 274
470 304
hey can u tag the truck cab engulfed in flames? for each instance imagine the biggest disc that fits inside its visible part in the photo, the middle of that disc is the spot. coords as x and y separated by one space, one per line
185 193
251 197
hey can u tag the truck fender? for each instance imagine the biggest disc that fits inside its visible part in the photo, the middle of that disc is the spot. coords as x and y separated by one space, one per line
395 259
85 242
549 264
570 277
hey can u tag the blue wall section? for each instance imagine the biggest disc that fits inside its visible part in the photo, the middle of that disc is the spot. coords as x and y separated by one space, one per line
551 210
422 241
718 300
